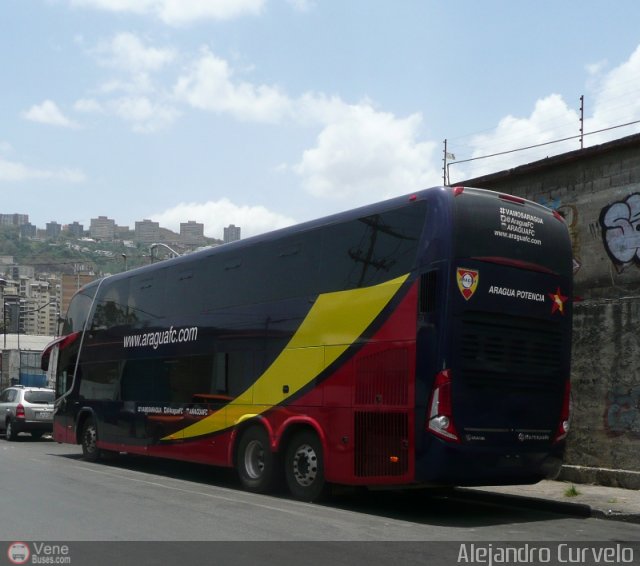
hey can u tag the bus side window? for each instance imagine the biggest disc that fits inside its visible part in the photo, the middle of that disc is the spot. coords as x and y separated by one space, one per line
427 299
146 297
100 380
233 372
220 373
111 308
145 380
188 284
189 377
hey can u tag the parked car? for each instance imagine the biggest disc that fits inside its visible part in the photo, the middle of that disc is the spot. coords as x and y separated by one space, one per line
26 409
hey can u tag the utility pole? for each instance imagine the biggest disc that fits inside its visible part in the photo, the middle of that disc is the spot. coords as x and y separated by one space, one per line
444 164
582 121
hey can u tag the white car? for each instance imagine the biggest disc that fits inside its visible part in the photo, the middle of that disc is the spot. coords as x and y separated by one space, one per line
26 409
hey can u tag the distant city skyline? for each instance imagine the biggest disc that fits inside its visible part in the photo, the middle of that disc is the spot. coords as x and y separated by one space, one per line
189 228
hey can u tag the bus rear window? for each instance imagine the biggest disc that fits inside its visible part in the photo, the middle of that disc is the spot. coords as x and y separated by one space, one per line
487 226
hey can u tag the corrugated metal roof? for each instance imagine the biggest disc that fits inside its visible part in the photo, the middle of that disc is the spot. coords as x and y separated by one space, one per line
25 341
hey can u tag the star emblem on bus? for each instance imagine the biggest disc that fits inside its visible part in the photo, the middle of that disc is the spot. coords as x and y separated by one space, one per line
557 301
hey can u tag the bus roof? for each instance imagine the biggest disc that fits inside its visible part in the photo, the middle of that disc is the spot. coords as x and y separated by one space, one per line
366 210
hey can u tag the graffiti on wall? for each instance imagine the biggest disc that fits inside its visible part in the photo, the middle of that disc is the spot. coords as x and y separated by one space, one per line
620 223
623 412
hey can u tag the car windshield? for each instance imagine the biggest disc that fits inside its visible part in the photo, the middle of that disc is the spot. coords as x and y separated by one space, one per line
39 396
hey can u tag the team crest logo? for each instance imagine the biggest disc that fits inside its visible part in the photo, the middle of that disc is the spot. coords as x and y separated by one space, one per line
467 281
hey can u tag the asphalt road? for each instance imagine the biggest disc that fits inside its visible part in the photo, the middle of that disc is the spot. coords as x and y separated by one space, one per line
48 493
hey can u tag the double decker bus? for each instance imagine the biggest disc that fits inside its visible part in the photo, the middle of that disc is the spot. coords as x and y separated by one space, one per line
424 340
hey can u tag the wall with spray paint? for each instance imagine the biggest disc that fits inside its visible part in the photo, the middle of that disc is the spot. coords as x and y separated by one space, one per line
606 388
597 190
620 223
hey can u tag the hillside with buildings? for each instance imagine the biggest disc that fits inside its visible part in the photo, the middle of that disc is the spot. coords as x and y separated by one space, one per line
41 269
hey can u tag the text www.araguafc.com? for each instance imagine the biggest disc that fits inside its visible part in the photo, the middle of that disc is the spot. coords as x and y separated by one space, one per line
159 338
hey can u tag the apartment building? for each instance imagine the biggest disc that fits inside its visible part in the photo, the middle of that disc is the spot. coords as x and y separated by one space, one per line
147 231
192 232
30 305
13 219
102 228
231 233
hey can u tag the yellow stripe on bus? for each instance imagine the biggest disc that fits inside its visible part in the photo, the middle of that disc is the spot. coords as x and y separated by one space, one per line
336 319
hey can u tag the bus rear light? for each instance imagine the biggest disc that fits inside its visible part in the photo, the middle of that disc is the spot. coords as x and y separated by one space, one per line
441 409
511 198
510 262
457 191
20 411
61 343
68 340
565 415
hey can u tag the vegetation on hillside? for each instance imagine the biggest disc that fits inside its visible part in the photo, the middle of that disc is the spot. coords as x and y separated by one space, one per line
67 254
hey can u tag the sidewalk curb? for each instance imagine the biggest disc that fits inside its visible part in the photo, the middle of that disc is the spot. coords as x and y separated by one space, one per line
612 515
539 503
625 479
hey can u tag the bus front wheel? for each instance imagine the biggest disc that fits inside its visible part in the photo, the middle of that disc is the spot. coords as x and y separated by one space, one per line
89 439
304 467
257 465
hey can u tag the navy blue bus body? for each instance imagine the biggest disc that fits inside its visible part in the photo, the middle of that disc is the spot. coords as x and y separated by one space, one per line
492 336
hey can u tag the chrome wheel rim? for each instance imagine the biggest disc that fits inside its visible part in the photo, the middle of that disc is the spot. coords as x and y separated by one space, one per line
90 438
254 459
305 465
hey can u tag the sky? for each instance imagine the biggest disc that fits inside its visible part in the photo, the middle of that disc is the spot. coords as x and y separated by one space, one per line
266 113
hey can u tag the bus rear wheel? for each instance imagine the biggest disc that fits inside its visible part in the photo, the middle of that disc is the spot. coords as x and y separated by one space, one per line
89 441
304 467
257 465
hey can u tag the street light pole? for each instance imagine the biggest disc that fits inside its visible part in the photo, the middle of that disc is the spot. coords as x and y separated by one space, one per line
152 248
3 284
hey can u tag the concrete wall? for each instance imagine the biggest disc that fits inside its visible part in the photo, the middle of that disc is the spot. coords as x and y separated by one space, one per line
598 192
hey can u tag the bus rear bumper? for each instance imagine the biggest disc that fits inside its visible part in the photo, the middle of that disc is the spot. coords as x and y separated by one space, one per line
455 464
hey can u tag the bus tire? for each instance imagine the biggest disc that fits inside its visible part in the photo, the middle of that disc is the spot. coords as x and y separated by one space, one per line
256 464
89 439
304 467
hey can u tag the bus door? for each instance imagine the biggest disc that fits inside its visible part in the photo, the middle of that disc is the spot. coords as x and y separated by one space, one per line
59 361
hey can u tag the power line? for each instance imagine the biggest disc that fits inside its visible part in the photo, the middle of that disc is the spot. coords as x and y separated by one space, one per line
579 136
626 99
